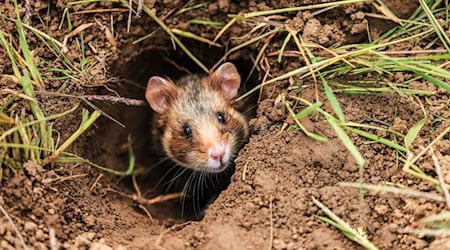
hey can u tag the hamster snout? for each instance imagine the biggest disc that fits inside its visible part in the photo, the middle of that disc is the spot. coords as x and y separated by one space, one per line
219 155
197 125
218 152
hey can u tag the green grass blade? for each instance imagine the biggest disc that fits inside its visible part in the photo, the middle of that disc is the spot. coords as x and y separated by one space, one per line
377 139
348 231
437 82
37 112
333 100
132 158
310 134
207 23
413 132
346 141
438 29
27 124
283 46
86 122
11 55
307 111
27 55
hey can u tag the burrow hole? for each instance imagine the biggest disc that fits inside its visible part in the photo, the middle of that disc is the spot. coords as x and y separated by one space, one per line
111 138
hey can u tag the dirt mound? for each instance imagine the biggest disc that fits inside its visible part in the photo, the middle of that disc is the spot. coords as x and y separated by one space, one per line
269 201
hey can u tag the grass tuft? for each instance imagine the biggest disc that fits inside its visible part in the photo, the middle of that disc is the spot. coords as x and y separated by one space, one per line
31 137
359 236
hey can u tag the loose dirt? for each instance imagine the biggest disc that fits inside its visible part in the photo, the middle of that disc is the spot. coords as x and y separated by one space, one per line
269 201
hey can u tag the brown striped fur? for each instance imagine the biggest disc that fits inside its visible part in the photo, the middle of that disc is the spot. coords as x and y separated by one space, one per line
196 100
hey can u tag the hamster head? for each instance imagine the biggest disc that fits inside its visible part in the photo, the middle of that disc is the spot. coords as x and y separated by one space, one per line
199 127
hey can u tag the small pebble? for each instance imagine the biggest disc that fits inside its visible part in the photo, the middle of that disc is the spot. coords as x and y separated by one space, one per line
40 235
51 211
30 226
100 246
5 245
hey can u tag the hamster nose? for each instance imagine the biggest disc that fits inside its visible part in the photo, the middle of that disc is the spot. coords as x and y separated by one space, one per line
217 152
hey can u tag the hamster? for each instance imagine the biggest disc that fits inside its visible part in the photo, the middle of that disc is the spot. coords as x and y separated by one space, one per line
196 123
198 128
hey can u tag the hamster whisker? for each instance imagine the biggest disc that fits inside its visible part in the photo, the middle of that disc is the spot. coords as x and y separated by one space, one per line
249 109
196 184
178 174
185 191
160 182
212 178
156 164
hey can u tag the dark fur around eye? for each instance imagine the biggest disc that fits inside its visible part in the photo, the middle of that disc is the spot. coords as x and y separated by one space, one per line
221 117
187 131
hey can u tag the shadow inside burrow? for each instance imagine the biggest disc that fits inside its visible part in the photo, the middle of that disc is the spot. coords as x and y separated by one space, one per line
156 177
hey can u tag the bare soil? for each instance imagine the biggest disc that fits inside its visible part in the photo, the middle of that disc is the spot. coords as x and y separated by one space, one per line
277 172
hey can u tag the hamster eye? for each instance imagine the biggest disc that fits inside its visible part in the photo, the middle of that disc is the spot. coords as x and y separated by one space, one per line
221 117
187 130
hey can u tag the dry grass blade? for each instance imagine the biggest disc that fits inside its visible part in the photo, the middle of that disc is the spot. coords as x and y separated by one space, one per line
24 125
152 14
5 120
436 217
115 99
13 226
100 11
85 124
439 31
307 7
355 235
387 12
30 63
427 232
394 190
259 56
305 59
10 51
411 160
441 179
270 224
225 28
195 37
143 201
305 72
242 45
15 92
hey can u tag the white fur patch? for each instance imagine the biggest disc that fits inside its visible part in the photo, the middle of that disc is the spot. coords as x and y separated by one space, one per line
216 166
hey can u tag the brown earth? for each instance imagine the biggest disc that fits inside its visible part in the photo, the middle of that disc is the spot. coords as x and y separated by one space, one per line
76 206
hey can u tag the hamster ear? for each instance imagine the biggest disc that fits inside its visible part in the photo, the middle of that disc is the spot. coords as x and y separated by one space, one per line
160 93
226 78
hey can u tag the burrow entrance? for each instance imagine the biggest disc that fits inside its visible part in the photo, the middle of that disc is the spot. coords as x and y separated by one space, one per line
110 138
